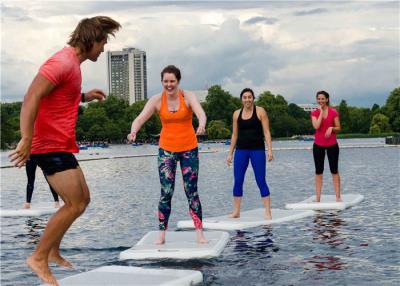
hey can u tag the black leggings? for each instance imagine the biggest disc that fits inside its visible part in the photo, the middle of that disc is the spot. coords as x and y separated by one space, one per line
319 157
30 173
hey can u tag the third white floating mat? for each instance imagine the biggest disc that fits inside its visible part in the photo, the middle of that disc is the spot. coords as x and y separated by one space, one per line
328 202
178 245
133 276
252 218
35 210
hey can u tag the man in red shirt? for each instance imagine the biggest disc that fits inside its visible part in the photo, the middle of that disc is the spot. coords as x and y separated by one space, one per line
47 122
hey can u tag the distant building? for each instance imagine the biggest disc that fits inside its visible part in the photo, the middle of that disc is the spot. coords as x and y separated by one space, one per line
308 106
127 74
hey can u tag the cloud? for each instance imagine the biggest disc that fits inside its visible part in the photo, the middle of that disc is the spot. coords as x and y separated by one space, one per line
262 20
262 45
311 12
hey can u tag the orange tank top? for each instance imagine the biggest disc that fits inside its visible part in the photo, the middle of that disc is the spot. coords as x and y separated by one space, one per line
177 133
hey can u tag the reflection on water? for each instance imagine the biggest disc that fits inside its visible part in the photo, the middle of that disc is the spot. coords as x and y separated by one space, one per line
250 243
326 228
34 227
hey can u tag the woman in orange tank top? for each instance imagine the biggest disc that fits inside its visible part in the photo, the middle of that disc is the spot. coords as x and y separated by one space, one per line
178 142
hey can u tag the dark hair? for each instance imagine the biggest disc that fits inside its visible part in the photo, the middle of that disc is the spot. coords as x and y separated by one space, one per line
90 30
247 90
171 69
324 93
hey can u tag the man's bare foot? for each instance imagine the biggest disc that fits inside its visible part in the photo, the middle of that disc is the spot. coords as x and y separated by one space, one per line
267 215
234 215
42 270
57 205
27 206
59 260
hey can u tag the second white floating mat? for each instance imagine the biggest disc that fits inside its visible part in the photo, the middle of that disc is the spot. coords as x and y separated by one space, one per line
35 210
133 276
328 202
178 245
252 218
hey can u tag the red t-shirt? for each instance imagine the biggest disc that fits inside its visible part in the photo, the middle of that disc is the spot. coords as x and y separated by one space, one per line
54 129
325 124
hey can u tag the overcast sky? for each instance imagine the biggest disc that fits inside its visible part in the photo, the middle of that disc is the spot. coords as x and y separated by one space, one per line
292 48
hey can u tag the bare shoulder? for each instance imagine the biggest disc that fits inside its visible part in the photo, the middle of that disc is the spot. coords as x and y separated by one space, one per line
261 111
236 113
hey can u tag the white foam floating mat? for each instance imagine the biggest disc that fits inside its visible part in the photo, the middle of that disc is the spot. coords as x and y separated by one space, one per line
38 210
178 245
328 202
251 218
133 276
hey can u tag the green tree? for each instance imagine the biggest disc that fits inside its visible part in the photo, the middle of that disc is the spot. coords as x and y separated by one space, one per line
392 108
220 105
217 129
10 123
344 117
380 124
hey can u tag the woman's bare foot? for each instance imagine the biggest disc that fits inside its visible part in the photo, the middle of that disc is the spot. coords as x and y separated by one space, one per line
59 260
42 270
234 215
161 238
57 205
267 215
27 206
338 200
200 237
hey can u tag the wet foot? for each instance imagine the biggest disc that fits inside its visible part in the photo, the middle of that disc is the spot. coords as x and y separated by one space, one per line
57 205
159 241
27 206
42 270
202 240
234 215
338 200
60 261
268 215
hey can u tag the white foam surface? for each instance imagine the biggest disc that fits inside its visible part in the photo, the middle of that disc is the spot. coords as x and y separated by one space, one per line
178 245
328 202
247 219
133 276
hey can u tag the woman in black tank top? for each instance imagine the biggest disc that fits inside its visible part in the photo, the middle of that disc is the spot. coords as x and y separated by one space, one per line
250 129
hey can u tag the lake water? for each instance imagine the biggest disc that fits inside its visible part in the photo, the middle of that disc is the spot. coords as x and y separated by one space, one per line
357 246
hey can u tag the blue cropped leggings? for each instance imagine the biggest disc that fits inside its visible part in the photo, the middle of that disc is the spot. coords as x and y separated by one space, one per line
241 162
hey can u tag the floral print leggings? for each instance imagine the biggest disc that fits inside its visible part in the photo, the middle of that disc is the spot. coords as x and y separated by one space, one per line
167 162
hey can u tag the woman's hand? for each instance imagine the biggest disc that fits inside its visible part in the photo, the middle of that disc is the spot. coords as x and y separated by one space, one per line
131 137
229 159
270 156
200 130
328 132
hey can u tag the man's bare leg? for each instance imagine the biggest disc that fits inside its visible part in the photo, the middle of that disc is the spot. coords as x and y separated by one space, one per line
336 185
68 185
236 207
54 254
318 187
267 205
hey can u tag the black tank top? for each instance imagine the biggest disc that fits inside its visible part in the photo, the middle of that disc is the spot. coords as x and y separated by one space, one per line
250 132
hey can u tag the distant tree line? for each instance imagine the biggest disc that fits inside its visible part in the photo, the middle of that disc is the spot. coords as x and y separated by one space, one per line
111 120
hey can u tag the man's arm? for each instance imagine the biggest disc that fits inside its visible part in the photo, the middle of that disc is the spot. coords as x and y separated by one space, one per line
39 88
